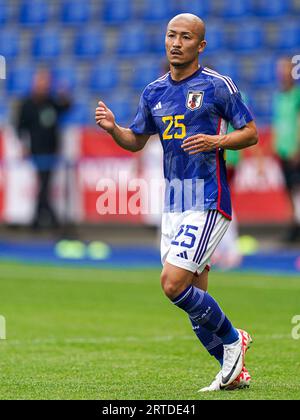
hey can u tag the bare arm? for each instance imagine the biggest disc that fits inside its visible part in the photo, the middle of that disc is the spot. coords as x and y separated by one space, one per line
124 137
238 139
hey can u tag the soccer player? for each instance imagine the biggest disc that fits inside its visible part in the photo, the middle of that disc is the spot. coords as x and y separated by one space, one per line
190 108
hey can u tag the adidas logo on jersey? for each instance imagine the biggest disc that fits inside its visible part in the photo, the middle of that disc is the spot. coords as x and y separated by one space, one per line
157 106
182 255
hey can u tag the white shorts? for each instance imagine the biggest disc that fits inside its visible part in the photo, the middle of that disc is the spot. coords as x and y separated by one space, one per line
189 239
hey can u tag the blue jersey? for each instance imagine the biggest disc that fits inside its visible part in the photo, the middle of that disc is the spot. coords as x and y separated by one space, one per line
203 103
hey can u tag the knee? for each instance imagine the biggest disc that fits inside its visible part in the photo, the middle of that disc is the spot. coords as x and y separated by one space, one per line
170 287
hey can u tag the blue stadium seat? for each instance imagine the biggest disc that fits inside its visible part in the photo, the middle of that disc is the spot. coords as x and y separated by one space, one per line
34 12
75 11
157 10
263 71
272 8
116 11
19 79
157 40
199 8
249 36
104 76
4 110
9 42
132 40
235 8
228 66
47 44
145 72
287 36
4 11
89 43
65 76
261 104
216 37
79 114
121 104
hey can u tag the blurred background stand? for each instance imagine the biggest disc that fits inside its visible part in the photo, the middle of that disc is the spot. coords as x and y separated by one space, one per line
94 50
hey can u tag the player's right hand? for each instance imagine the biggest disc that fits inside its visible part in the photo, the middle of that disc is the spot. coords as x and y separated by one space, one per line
104 117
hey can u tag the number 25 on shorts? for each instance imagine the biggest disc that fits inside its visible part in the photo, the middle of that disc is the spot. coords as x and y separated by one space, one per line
174 121
189 237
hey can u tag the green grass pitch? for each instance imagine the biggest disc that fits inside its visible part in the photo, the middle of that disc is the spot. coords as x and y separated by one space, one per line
76 333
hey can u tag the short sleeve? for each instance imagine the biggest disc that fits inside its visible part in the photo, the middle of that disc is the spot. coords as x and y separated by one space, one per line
230 104
143 122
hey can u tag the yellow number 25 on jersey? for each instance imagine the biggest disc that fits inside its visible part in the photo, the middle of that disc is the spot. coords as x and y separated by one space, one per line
171 121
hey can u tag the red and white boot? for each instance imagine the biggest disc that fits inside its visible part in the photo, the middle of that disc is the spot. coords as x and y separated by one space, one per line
243 379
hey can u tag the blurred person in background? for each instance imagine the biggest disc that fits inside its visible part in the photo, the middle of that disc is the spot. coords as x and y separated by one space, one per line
37 125
286 130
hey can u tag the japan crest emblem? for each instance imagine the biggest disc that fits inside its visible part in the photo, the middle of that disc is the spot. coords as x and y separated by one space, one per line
194 100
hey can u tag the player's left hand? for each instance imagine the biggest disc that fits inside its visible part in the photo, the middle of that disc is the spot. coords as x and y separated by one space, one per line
201 143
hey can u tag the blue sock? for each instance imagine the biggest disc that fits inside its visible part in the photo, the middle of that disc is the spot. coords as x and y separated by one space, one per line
210 341
205 311
231 337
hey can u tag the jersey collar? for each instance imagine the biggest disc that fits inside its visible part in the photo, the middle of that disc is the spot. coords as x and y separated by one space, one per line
195 74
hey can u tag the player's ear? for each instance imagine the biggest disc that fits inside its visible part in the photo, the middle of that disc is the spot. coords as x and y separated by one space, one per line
202 46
